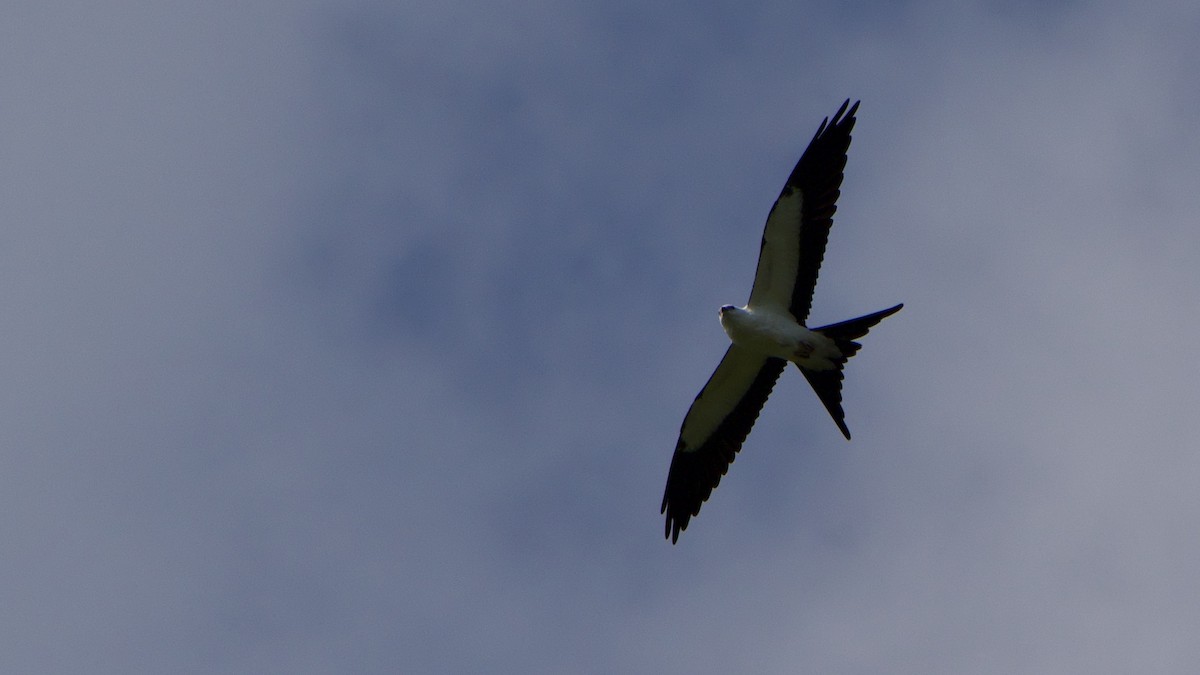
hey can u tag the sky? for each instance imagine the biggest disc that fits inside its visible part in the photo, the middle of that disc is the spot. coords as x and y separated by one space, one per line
356 336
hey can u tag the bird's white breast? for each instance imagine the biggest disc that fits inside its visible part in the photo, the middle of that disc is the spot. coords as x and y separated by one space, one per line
778 334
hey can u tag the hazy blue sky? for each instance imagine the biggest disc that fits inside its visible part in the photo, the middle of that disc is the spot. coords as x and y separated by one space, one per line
355 337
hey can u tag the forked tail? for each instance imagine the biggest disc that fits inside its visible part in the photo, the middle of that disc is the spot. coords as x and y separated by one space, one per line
828 383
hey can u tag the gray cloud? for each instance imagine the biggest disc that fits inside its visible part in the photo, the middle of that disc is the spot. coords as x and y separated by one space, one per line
356 338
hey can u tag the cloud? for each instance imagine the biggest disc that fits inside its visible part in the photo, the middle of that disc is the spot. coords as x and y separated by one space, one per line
352 336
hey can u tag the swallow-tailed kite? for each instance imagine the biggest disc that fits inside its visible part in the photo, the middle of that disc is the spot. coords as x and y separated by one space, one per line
770 330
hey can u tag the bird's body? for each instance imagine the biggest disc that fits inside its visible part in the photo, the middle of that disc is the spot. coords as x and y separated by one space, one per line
779 335
770 330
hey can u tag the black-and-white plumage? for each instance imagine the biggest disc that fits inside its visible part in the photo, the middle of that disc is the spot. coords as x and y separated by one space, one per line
770 330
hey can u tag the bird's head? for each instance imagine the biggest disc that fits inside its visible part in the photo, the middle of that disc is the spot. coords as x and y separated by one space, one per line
728 308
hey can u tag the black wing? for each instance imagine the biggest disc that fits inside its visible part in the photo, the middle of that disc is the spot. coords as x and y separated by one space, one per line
797 229
713 431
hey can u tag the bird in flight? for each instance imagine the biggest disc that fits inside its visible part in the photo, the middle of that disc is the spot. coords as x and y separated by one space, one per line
769 331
